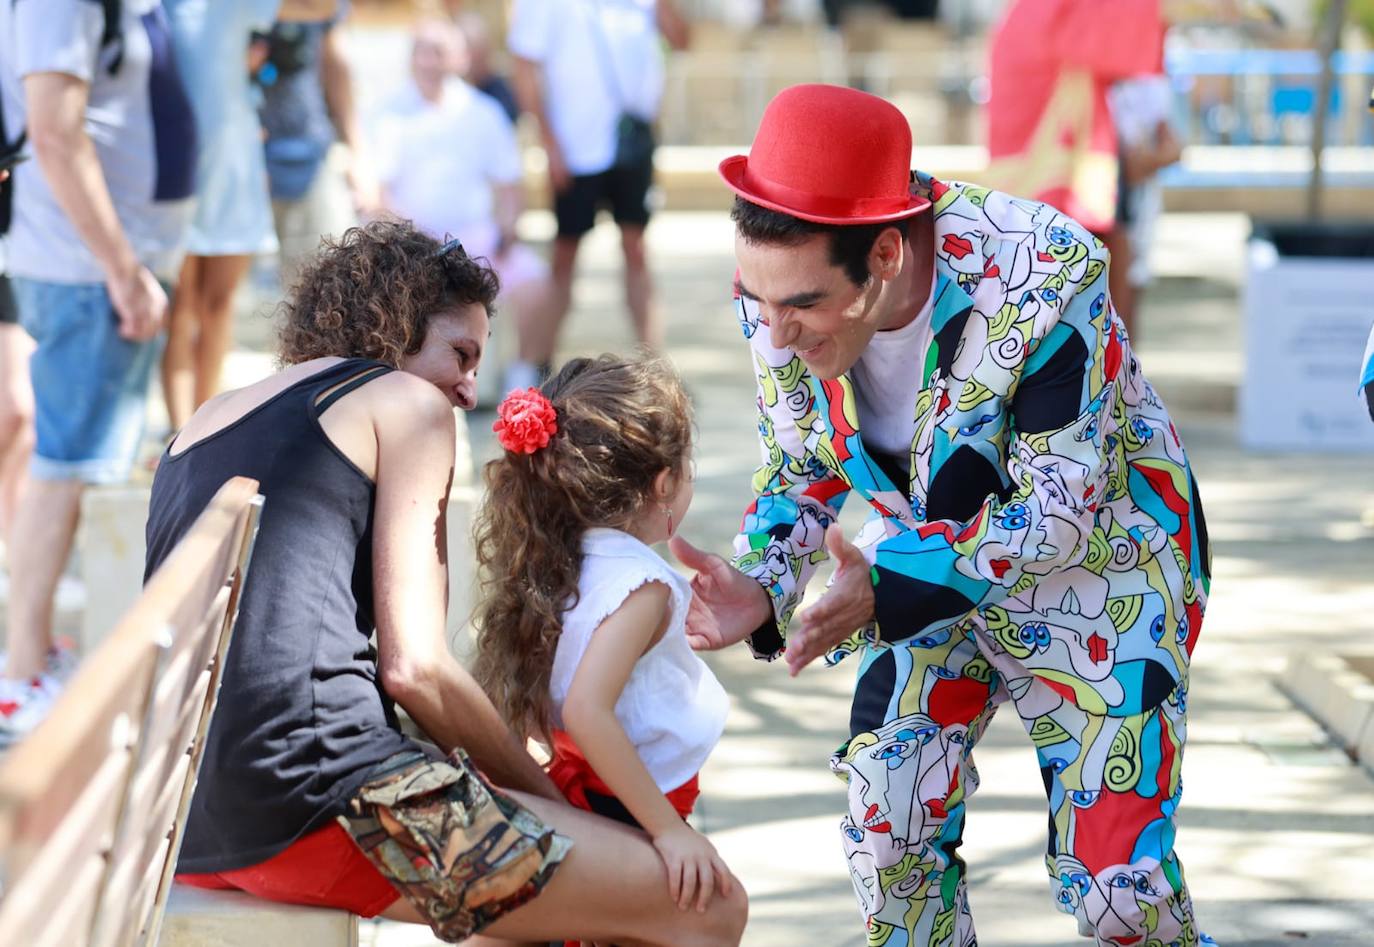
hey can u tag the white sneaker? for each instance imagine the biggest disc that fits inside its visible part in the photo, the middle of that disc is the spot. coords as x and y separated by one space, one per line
519 375
61 662
24 705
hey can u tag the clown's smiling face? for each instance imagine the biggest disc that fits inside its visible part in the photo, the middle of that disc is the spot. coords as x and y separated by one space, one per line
809 304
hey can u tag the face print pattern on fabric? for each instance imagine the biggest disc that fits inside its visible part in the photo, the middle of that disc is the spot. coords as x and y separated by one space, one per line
1047 479
905 817
1112 786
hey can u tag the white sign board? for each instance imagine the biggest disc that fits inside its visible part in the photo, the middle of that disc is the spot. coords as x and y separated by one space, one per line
1306 322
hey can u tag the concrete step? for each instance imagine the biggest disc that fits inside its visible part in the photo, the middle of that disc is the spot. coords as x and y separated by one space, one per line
1338 691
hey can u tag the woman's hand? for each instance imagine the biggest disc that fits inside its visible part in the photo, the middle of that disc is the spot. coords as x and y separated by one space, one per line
727 606
694 868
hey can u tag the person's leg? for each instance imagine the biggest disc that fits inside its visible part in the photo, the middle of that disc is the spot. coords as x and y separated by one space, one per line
528 296
612 887
296 238
532 303
628 191
219 278
575 211
639 288
178 359
1147 205
16 419
44 527
1113 787
325 210
918 711
542 340
90 391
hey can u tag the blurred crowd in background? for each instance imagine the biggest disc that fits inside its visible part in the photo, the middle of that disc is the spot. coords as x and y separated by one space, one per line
164 150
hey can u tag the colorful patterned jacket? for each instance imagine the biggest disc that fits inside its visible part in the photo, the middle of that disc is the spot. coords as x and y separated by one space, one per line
1050 502
1367 375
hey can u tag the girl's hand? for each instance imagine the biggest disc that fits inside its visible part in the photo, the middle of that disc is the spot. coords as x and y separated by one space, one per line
694 868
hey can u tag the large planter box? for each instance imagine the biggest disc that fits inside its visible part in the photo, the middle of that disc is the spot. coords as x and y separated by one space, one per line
1308 307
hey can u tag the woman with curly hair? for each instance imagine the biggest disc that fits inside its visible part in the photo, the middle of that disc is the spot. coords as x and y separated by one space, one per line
309 792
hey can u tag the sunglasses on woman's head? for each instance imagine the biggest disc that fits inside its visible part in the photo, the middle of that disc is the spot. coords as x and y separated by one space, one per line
454 245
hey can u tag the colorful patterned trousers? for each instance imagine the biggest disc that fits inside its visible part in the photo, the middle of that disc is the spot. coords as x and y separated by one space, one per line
1112 784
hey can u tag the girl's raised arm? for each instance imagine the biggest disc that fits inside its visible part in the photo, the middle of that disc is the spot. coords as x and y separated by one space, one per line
415 441
694 868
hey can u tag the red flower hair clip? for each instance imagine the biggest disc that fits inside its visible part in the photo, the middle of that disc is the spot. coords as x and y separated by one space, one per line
525 421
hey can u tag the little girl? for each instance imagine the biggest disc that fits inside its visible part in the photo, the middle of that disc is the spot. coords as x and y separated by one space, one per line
581 633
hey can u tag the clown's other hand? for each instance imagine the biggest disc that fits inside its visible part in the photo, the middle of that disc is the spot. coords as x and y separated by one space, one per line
844 608
727 606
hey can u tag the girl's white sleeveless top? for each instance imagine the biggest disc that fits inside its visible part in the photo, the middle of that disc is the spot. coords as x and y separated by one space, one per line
673 708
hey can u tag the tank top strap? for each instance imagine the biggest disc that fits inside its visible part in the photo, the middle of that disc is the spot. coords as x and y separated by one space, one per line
339 380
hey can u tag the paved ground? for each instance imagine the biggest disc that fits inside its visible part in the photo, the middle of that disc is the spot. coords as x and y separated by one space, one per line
1277 826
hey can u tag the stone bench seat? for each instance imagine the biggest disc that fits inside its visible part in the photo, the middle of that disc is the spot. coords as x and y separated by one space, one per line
197 917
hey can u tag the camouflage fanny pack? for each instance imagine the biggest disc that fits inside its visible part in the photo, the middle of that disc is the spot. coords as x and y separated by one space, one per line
460 851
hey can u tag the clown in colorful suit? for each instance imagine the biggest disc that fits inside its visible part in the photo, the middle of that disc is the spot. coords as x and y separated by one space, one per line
950 355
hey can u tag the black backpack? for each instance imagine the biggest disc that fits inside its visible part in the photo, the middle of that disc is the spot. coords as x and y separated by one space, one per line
111 37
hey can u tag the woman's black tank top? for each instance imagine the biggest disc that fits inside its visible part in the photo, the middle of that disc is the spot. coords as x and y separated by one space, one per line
301 717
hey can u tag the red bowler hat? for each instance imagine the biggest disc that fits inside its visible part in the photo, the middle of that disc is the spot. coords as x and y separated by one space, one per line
831 155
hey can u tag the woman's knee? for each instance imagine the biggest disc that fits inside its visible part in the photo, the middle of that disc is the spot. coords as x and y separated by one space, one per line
733 911
608 856
720 925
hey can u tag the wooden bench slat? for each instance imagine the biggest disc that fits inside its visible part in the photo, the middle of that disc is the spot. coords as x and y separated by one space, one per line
61 879
131 926
41 780
68 921
91 803
85 830
173 744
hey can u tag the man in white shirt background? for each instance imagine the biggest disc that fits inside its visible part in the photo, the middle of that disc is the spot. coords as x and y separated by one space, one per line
581 68
448 160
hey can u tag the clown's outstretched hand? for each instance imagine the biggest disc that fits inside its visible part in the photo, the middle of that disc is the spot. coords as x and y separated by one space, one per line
846 606
727 606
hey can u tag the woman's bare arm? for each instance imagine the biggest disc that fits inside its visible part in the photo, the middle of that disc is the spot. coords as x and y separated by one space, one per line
415 442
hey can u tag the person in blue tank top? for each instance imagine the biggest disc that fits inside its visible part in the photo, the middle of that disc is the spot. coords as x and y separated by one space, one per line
309 791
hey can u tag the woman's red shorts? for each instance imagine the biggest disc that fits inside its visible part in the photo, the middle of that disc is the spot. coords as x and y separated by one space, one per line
324 869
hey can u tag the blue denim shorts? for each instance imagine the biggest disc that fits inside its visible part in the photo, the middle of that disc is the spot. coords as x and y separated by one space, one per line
90 387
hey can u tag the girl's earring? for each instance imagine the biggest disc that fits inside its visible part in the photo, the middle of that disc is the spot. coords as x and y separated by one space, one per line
668 512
